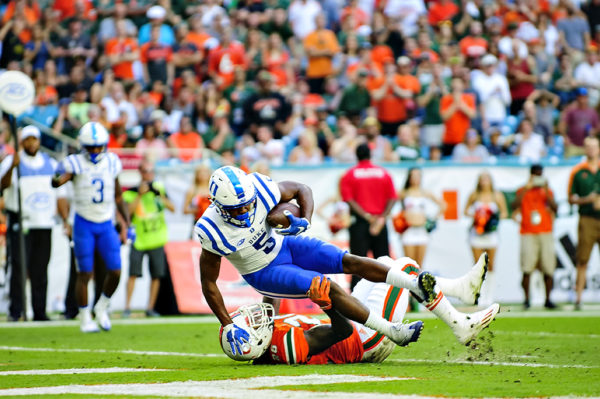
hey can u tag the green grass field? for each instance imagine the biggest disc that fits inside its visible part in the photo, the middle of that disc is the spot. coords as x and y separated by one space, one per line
532 354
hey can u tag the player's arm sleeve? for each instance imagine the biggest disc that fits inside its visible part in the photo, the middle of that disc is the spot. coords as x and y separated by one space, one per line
206 235
267 190
69 165
117 166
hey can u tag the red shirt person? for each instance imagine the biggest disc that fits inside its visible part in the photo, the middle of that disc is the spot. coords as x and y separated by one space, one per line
369 190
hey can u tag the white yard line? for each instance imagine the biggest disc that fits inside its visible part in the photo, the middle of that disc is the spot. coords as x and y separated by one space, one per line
505 313
124 351
117 322
234 388
201 355
490 363
546 334
78 371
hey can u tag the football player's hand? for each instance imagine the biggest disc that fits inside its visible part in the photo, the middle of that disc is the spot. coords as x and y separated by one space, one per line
297 225
131 234
237 337
319 292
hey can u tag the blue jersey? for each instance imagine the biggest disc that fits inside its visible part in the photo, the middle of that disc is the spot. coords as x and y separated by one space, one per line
249 249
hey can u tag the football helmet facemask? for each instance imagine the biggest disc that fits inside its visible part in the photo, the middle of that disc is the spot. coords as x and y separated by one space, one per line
257 320
231 189
93 135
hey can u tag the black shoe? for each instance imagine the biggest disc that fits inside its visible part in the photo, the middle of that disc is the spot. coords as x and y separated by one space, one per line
427 286
526 304
41 318
12 318
550 305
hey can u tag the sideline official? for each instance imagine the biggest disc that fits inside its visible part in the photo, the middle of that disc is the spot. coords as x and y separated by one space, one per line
39 208
369 190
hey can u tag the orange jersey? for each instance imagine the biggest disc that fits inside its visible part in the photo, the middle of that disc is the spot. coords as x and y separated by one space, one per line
289 345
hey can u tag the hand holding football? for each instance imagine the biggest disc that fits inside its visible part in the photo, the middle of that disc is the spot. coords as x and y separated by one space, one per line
277 219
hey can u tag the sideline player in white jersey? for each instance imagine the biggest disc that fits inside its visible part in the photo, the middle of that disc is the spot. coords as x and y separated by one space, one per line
282 264
94 173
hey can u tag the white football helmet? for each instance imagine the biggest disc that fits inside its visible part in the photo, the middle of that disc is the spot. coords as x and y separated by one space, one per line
232 188
257 321
93 134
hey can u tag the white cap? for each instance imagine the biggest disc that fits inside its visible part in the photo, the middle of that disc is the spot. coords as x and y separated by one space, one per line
211 43
489 59
156 12
30 131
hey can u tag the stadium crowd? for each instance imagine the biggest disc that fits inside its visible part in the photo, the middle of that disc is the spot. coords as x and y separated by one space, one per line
306 81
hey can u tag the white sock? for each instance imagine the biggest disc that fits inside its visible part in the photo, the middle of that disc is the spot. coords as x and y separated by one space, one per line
103 302
399 278
378 323
443 309
449 286
487 290
86 314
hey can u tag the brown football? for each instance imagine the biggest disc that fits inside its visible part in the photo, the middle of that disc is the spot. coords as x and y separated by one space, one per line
277 219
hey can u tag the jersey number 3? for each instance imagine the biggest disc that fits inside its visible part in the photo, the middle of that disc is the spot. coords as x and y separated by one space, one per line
99 196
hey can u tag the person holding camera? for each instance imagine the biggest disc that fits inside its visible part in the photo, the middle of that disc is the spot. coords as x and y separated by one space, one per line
147 205
536 204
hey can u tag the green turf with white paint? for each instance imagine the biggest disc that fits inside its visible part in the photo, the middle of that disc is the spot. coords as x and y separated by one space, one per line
519 356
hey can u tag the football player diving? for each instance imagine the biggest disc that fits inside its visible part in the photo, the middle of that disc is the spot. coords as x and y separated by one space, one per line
283 263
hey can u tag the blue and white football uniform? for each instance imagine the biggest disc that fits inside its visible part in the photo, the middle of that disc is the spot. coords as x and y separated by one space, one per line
275 265
94 205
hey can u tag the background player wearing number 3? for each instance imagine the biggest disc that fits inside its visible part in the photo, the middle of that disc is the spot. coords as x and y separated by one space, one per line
281 264
94 173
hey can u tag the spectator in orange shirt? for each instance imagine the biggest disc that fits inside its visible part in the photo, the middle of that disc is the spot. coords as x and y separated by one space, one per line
424 44
442 10
535 201
474 45
122 51
388 94
223 59
197 35
45 93
457 110
320 45
187 145
359 16
27 8
410 83
276 60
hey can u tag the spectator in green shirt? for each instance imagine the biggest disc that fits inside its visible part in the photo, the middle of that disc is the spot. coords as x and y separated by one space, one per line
220 137
147 204
356 97
432 90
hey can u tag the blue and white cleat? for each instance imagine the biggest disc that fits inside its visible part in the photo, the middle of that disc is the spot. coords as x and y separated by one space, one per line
405 333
